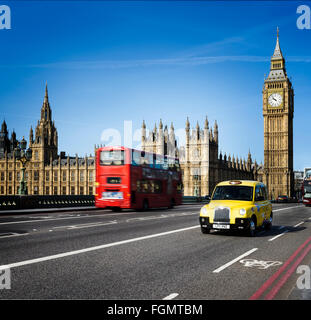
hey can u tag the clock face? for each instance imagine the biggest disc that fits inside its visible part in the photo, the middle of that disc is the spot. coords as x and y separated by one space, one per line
275 99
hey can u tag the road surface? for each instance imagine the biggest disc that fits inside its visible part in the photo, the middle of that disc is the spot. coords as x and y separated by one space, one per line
159 254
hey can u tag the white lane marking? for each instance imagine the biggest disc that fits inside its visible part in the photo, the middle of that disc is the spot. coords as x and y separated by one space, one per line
44 219
13 234
286 208
235 260
279 235
86 225
298 224
86 216
108 245
162 216
171 296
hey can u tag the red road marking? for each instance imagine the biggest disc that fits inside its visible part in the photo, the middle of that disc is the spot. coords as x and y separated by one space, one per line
279 285
270 281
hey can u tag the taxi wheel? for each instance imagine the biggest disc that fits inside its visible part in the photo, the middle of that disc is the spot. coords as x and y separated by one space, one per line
205 230
268 225
252 228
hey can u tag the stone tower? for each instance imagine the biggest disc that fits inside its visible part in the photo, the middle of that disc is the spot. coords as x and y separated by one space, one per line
44 144
278 113
201 164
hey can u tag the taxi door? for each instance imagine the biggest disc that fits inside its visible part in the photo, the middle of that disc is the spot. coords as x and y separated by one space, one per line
261 205
268 207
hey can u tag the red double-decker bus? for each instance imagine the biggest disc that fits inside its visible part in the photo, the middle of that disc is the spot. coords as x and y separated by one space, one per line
306 187
133 179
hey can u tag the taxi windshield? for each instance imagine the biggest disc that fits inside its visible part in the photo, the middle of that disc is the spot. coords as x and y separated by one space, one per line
240 193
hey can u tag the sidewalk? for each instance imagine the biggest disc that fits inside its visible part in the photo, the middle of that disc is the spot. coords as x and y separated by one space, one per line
42 210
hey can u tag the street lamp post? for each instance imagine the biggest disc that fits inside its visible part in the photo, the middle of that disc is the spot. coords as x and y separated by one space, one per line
23 156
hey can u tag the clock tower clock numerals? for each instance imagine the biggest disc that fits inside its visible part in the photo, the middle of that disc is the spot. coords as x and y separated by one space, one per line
275 100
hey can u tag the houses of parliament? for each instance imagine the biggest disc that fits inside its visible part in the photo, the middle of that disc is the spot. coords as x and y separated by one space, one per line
48 173
202 164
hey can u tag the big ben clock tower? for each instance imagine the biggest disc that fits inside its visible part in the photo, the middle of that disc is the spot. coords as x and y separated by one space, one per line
278 113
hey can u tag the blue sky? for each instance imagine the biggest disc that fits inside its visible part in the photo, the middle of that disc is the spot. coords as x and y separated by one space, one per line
107 62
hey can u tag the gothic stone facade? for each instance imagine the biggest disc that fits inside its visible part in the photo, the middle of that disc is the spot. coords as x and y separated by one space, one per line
48 172
278 113
201 163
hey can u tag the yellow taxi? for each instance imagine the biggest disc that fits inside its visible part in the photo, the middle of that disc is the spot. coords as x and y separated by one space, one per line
237 205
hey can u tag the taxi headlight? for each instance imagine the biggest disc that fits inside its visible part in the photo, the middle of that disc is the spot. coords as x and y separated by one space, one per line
203 210
242 212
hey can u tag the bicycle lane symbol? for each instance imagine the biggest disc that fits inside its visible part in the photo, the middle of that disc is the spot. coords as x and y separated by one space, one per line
260 264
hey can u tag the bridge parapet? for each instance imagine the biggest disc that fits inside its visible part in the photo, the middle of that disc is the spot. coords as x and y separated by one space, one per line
53 201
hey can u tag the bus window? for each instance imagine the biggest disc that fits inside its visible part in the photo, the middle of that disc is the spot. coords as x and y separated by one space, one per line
150 160
165 164
143 159
159 160
156 186
179 187
136 158
111 158
147 159
145 186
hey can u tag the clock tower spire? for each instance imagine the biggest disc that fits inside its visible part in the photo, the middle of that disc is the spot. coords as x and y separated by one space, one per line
278 114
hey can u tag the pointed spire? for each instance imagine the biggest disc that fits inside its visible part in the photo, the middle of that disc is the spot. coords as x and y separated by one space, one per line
206 123
4 128
161 124
46 96
172 126
197 126
216 131
187 123
144 125
277 51
31 135
13 134
215 126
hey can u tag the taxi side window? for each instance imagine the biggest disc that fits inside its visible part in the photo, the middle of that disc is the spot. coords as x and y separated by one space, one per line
259 194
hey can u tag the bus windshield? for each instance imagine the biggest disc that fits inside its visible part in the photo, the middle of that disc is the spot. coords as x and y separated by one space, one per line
241 193
307 191
111 158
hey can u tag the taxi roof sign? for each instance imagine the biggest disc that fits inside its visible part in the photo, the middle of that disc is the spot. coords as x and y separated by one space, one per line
235 182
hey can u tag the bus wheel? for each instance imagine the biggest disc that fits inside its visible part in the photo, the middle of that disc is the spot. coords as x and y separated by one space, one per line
145 205
172 204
